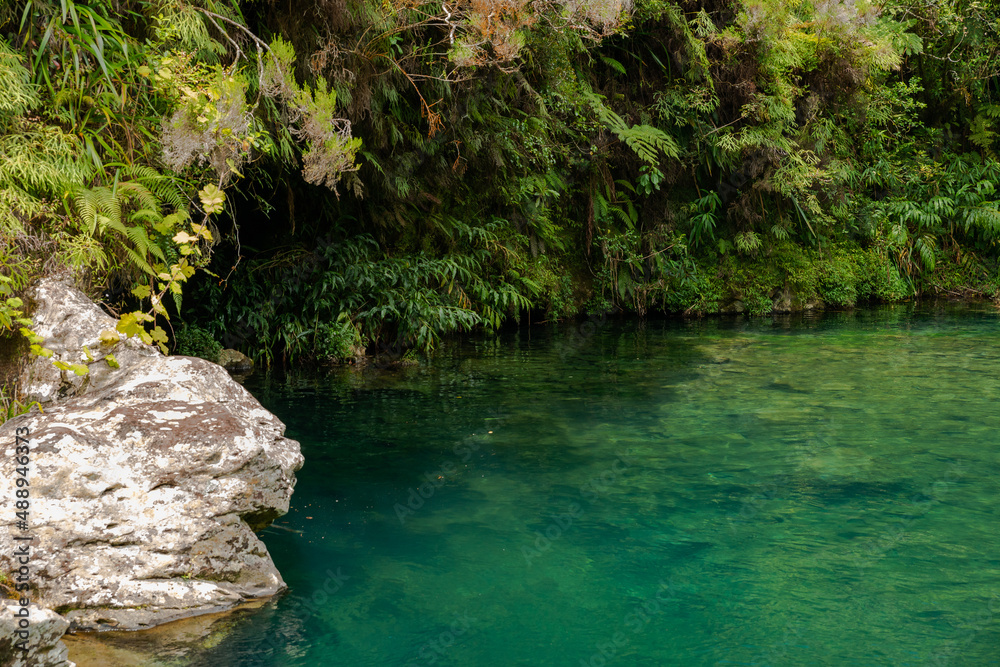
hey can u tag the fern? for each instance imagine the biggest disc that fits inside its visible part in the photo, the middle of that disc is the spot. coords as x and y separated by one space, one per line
981 131
41 160
166 189
747 242
120 215
181 26
926 246
648 142
613 64
19 95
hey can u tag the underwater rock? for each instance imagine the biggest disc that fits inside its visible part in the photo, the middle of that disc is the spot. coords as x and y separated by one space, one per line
182 643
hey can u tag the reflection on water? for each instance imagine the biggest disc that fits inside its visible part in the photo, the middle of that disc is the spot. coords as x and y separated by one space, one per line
797 491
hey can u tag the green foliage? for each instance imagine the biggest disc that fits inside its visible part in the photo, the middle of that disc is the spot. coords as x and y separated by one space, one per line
953 201
19 95
649 143
331 150
496 156
791 278
11 406
122 213
337 341
299 310
193 341
11 306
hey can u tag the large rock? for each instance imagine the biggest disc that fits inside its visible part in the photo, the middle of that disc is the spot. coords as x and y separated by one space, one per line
147 483
71 325
45 628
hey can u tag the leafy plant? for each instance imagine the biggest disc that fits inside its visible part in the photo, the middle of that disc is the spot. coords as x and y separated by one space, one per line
193 341
338 340
11 406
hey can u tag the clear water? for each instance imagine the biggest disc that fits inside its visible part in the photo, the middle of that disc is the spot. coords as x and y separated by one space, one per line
819 491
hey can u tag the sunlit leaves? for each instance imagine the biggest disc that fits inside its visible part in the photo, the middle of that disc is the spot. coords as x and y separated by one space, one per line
213 200
78 369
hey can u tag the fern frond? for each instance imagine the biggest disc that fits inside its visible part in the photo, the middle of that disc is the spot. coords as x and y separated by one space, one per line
136 191
41 160
646 141
138 260
19 94
86 208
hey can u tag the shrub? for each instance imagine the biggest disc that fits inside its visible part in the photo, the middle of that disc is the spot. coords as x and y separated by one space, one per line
194 341
337 341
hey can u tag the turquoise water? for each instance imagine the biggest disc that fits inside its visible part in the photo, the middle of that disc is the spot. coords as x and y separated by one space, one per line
811 491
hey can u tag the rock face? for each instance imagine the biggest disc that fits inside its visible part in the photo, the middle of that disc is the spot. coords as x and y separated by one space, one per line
44 632
147 481
787 301
69 321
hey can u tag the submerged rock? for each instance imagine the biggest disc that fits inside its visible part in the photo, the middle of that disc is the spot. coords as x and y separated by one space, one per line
147 483
180 644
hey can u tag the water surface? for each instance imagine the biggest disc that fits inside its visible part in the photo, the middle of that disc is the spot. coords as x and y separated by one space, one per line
810 491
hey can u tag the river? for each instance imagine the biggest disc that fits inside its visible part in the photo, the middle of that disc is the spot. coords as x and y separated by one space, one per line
812 490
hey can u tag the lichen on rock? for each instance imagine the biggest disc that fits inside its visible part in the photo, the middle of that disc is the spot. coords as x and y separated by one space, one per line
45 649
147 482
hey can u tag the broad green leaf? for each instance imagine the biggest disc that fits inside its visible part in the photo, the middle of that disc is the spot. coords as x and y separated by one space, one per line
79 369
213 199
40 351
128 325
31 335
159 335
202 230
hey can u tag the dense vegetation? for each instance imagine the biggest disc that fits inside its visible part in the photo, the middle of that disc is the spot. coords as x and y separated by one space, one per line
303 180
